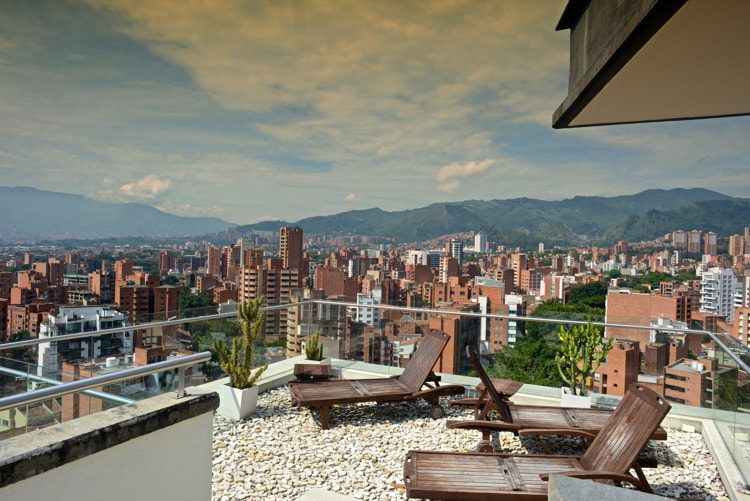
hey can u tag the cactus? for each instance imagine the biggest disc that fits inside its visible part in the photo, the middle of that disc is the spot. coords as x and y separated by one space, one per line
313 348
582 350
238 361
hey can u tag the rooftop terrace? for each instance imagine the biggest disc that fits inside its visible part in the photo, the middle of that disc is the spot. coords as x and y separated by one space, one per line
281 453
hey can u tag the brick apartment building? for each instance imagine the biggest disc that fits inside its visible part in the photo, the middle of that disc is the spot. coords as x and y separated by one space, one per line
275 284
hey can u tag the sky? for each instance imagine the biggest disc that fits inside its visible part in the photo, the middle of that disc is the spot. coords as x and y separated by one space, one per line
254 110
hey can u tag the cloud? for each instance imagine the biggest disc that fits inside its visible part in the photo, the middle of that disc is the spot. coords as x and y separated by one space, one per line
449 187
351 197
469 169
182 209
146 188
449 174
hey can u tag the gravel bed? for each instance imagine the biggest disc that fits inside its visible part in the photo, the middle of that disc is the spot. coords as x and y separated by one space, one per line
280 452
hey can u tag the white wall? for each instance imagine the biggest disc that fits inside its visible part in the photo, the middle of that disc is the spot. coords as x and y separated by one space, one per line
173 463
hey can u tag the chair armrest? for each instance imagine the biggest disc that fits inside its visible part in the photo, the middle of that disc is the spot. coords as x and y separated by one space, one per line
598 475
556 431
471 424
443 391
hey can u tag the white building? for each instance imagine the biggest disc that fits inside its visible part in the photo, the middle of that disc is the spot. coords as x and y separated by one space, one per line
369 316
457 251
70 320
515 309
742 294
718 286
418 257
480 242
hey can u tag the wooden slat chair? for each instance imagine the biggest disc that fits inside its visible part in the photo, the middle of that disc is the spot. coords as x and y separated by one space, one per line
475 476
534 420
416 382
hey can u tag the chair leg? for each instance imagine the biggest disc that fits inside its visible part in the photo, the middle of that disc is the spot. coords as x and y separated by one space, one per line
325 416
646 487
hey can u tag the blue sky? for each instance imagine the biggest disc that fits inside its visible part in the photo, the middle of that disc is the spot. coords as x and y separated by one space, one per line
287 109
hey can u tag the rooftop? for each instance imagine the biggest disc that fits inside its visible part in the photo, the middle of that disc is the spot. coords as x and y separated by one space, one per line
281 453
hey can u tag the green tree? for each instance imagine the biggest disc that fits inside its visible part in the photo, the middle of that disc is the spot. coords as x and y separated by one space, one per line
198 303
169 280
593 294
531 360
554 310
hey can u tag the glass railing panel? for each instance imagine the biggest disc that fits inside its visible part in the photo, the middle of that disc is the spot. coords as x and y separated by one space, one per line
729 395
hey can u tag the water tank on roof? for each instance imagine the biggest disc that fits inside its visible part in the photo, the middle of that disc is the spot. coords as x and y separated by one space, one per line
111 362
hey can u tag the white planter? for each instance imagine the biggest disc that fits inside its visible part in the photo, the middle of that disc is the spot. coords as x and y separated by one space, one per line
569 399
237 404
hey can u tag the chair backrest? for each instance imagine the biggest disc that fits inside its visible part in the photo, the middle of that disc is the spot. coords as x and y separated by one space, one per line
499 402
626 432
424 359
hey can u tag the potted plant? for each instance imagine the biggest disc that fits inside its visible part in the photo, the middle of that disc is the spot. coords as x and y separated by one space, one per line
314 350
239 398
582 350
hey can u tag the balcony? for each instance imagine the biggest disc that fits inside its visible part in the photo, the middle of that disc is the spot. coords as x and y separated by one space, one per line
281 453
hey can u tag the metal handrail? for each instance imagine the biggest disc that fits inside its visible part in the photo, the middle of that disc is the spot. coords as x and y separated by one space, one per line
136 327
35 396
744 366
164 323
41 379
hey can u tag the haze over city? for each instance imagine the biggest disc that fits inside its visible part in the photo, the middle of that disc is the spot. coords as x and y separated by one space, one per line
285 110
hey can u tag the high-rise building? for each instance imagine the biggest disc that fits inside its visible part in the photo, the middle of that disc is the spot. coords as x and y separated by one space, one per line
6 284
717 292
737 245
290 247
167 261
518 262
679 239
449 267
456 250
480 242
694 241
123 268
214 262
102 284
276 285
710 244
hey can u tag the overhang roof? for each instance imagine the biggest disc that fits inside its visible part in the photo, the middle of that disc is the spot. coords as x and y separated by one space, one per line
668 60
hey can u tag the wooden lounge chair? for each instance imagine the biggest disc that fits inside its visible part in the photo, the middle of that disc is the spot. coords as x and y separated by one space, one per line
412 384
532 420
472 475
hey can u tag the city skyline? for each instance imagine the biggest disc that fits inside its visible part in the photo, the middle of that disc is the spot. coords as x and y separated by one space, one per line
272 112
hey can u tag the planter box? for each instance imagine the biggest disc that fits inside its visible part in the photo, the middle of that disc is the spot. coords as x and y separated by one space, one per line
325 361
569 399
237 404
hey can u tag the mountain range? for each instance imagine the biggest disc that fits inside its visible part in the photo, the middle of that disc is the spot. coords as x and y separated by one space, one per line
30 214
527 221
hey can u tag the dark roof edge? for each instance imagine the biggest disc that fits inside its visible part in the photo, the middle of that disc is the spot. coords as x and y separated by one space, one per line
634 35
571 14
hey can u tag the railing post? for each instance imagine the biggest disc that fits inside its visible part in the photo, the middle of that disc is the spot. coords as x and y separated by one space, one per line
180 382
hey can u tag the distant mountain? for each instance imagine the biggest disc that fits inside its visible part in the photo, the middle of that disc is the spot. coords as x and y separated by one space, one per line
519 221
31 214
721 216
